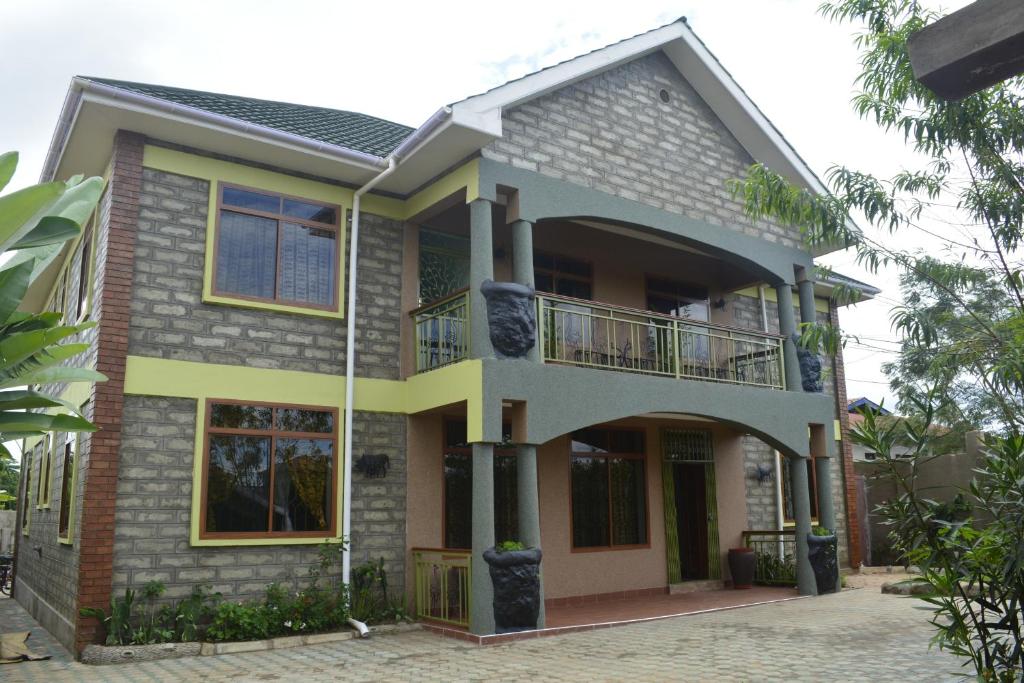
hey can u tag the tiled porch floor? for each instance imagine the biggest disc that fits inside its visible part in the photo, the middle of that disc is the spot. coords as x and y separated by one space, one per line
654 606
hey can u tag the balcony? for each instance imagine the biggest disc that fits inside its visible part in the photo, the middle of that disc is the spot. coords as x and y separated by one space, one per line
589 334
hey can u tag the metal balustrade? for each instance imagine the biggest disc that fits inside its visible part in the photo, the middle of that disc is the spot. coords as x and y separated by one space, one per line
443 585
442 332
589 334
775 556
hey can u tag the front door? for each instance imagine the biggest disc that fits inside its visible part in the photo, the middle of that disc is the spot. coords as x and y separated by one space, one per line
691 520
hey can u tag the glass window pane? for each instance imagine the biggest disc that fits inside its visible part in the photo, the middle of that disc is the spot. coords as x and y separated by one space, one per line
238 484
444 264
310 212
458 500
589 502
246 255
67 476
590 441
297 420
572 266
543 282
629 509
626 441
233 416
542 260
307 264
302 484
455 434
256 201
506 513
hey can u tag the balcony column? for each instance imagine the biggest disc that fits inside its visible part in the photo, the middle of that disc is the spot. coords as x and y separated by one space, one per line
798 484
820 436
481 267
481 609
522 267
805 291
787 328
529 509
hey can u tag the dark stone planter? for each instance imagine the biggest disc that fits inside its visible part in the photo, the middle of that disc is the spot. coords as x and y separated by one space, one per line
742 562
515 575
511 317
821 551
810 368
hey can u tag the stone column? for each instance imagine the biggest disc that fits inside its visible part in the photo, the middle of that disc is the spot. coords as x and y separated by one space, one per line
805 290
481 610
798 484
820 436
481 267
787 328
522 264
529 509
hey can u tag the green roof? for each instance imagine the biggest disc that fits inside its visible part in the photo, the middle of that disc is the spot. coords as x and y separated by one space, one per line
347 129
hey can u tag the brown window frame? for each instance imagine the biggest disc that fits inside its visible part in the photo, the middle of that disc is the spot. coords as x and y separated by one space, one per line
649 290
280 218
273 434
642 457
499 451
557 274
45 473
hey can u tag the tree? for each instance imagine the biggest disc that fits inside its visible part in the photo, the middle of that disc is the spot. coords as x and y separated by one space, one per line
961 320
35 222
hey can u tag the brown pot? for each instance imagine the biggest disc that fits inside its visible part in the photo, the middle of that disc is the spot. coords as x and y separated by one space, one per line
742 562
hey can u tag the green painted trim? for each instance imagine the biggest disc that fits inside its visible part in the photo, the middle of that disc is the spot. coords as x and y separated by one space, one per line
70 538
668 496
216 171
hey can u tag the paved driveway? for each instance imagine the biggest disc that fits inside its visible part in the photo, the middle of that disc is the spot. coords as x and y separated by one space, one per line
859 635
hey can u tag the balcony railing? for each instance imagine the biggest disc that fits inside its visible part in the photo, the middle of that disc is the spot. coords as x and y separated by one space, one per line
442 332
775 556
589 334
442 585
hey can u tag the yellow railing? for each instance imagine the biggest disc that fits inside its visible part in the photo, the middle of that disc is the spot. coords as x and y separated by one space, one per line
443 585
442 332
589 334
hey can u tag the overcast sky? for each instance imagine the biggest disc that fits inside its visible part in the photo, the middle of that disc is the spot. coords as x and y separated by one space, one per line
403 60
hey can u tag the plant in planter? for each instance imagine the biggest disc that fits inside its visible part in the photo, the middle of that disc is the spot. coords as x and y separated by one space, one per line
515 574
511 317
742 563
822 553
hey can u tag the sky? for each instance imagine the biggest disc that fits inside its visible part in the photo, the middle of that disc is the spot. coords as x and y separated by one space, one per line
402 60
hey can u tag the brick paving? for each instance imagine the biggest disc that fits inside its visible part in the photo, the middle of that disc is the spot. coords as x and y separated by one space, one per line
856 635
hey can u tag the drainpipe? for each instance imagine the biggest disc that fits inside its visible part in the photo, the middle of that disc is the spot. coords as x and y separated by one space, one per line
780 519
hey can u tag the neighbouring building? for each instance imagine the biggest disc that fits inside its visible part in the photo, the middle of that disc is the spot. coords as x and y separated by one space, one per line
660 414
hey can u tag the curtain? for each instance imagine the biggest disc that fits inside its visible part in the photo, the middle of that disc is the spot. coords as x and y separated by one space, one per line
307 264
246 255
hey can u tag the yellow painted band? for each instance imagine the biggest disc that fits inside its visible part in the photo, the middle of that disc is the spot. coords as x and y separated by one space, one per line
820 304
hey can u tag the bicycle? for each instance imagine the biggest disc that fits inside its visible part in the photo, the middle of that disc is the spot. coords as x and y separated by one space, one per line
6 569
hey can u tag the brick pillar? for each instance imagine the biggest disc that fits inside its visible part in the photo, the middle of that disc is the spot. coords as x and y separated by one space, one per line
112 309
849 476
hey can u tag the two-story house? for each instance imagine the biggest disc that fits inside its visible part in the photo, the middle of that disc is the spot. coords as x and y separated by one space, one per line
271 387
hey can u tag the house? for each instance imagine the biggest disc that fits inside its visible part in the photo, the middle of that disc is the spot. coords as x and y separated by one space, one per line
253 363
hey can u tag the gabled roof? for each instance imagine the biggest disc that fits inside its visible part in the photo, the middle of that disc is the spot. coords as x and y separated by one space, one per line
349 129
866 404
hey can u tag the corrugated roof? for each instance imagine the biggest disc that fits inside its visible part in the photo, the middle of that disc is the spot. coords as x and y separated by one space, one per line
359 132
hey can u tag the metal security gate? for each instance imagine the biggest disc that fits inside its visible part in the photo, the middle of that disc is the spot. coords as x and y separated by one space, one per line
688 461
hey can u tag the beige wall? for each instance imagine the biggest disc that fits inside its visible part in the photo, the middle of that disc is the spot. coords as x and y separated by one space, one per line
568 573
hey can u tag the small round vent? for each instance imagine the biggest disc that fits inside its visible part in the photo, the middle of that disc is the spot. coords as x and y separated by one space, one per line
664 95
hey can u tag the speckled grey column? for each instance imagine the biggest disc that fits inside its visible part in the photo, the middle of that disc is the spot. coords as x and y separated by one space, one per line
481 610
798 484
787 327
805 290
522 266
823 479
529 509
481 267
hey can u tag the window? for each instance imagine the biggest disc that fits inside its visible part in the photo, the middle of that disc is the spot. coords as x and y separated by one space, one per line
26 499
269 471
609 489
458 488
444 264
67 486
563 275
787 490
85 271
46 458
677 299
276 249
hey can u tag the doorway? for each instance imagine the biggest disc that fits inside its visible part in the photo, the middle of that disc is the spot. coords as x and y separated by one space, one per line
691 506
691 520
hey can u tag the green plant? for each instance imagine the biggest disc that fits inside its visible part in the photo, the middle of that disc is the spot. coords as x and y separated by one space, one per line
771 569
240 621
118 623
509 546
369 600
821 531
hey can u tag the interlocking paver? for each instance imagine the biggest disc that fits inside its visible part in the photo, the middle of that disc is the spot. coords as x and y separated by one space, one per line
856 635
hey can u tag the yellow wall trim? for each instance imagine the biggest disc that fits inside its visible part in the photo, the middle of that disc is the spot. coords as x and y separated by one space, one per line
820 303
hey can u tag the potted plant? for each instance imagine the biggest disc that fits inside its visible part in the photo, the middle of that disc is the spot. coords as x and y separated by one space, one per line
511 317
742 562
821 551
515 575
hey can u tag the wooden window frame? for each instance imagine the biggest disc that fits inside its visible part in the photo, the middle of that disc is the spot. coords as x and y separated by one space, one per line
280 218
84 302
72 453
26 507
45 472
273 433
648 290
642 457
504 452
556 274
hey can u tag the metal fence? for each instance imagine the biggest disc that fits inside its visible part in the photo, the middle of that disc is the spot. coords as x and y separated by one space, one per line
587 334
442 332
443 585
775 555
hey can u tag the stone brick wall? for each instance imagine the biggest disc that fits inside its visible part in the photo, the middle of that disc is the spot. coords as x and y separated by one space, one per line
613 133
169 319
154 500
